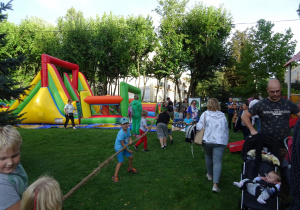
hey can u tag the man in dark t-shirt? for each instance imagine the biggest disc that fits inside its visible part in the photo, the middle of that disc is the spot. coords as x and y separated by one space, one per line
274 112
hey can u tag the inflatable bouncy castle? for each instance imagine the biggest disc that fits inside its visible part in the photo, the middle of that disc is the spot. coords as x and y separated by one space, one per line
45 100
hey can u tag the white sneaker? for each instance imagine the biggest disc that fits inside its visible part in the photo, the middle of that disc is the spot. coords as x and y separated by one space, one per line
209 177
216 189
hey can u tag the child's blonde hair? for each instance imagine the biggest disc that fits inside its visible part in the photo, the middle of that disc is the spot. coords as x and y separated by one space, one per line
144 113
10 138
278 177
188 114
44 193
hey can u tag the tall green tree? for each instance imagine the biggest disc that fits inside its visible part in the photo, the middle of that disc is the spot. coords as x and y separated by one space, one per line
263 57
237 45
173 57
207 29
112 48
76 43
8 65
142 38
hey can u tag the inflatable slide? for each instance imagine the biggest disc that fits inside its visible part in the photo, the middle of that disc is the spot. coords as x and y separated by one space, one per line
45 100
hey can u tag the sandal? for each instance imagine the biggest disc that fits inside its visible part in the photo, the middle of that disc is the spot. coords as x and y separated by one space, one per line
132 170
115 179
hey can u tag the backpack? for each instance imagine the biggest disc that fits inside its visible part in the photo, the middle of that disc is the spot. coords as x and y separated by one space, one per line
130 111
190 134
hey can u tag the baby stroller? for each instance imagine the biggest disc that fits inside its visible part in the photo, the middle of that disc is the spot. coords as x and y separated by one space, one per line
260 155
288 141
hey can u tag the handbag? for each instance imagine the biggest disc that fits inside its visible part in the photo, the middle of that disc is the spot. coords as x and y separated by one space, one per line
199 135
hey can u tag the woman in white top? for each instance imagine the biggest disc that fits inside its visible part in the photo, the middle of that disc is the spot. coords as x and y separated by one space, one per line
215 140
69 108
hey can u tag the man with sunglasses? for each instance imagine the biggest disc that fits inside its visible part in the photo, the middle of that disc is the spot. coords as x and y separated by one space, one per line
274 113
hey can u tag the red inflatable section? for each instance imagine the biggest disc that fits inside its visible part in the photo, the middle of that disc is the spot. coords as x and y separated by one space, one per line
103 99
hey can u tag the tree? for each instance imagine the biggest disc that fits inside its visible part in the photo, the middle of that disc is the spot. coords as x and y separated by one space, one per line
173 57
207 29
8 90
76 43
142 40
237 45
263 57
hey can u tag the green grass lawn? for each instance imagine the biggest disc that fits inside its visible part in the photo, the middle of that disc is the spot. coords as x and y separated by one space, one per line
167 179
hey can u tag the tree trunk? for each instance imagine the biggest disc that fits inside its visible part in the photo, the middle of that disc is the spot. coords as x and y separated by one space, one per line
179 93
138 68
144 86
165 92
116 84
157 91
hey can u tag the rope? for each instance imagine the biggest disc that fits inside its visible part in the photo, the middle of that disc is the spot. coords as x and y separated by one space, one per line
101 166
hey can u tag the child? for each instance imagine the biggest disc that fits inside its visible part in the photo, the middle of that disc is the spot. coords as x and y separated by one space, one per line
44 193
234 119
176 115
69 109
122 139
170 130
272 177
13 178
162 121
180 118
188 120
143 129
245 130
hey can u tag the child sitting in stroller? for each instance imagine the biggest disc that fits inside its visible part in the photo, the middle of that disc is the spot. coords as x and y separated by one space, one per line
265 191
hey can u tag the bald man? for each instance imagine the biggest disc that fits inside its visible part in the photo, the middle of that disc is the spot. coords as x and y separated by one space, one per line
274 112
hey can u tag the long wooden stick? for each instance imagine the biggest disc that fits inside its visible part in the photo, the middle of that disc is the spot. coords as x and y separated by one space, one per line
101 166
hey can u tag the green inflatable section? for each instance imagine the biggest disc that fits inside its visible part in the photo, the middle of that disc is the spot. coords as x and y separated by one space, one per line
28 98
125 88
99 120
70 89
54 92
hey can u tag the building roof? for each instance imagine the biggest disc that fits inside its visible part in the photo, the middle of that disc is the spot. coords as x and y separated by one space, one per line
295 58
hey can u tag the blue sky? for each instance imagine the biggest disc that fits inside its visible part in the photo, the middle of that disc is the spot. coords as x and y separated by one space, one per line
242 11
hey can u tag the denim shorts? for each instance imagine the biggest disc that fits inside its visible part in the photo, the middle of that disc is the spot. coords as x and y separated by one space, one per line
122 154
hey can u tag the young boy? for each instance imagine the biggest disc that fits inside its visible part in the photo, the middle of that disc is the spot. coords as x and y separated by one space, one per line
143 129
13 178
272 177
176 115
122 139
188 120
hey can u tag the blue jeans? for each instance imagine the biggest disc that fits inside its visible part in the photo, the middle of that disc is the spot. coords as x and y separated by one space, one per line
213 159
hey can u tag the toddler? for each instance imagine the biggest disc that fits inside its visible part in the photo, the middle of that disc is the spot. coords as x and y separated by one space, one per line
188 120
143 129
44 193
170 130
13 178
272 177
122 139
234 119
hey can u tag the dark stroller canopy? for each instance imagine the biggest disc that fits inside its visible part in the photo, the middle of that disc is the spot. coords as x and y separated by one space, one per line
257 142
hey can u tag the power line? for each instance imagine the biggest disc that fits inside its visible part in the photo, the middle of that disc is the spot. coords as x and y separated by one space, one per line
276 21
